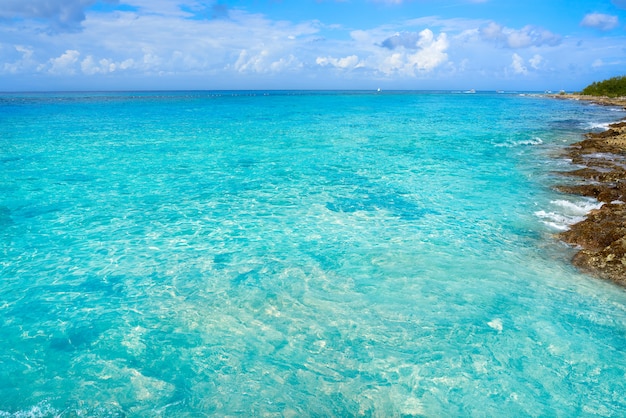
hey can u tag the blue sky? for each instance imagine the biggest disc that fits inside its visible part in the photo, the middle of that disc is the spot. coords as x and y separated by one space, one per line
310 44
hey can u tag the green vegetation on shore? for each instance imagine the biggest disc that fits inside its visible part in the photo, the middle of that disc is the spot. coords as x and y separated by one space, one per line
613 87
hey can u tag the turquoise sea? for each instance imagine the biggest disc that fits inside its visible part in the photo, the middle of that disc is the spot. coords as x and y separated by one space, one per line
291 254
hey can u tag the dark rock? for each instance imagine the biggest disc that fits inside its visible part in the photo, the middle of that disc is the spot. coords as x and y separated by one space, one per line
601 228
602 235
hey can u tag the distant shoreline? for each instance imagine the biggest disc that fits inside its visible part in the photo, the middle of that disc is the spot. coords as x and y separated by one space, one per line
601 100
601 237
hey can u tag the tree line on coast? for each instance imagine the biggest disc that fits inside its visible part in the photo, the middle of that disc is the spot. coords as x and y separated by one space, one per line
612 87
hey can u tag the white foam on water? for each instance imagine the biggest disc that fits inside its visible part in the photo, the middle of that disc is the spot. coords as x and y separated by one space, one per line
558 221
580 207
524 142
496 324
596 125
41 410
533 141
566 213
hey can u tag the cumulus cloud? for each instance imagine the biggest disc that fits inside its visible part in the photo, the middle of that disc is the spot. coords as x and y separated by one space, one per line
536 61
600 21
264 62
243 43
425 54
123 43
517 65
345 63
519 38
90 66
63 15
406 53
64 64
431 50
25 61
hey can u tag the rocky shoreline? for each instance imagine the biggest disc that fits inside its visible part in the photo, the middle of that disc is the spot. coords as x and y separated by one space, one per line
601 237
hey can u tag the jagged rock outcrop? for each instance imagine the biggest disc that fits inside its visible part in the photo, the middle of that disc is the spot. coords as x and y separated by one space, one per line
602 235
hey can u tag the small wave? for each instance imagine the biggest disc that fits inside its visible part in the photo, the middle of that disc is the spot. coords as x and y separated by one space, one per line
41 410
524 142
596 125
557 220
581 207
566 213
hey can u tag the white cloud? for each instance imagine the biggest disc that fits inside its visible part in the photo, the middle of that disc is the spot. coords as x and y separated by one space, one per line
600 21
599 63
287 63
519 38
64 64
150 60
25 62
243 43
536 61
431 52
518 65
346 63
424 55
263 62
89 65
251 48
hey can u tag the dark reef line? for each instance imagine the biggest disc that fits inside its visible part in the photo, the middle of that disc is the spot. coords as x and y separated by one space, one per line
601 237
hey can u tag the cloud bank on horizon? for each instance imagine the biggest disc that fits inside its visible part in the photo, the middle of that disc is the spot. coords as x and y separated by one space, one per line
309 44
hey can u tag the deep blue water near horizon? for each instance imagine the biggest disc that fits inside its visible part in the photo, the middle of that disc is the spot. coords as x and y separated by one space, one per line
298 254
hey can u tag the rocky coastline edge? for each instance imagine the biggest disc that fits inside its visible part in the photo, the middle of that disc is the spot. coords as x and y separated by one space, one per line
601 237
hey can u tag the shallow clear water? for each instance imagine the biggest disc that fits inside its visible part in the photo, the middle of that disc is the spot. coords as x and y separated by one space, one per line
298 254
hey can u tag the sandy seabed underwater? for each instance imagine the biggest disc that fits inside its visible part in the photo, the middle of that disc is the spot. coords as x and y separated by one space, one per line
298 254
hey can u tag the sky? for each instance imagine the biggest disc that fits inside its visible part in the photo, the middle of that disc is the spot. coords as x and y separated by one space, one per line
50 45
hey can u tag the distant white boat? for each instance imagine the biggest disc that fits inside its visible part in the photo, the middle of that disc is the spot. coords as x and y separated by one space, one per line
472 91
378 90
